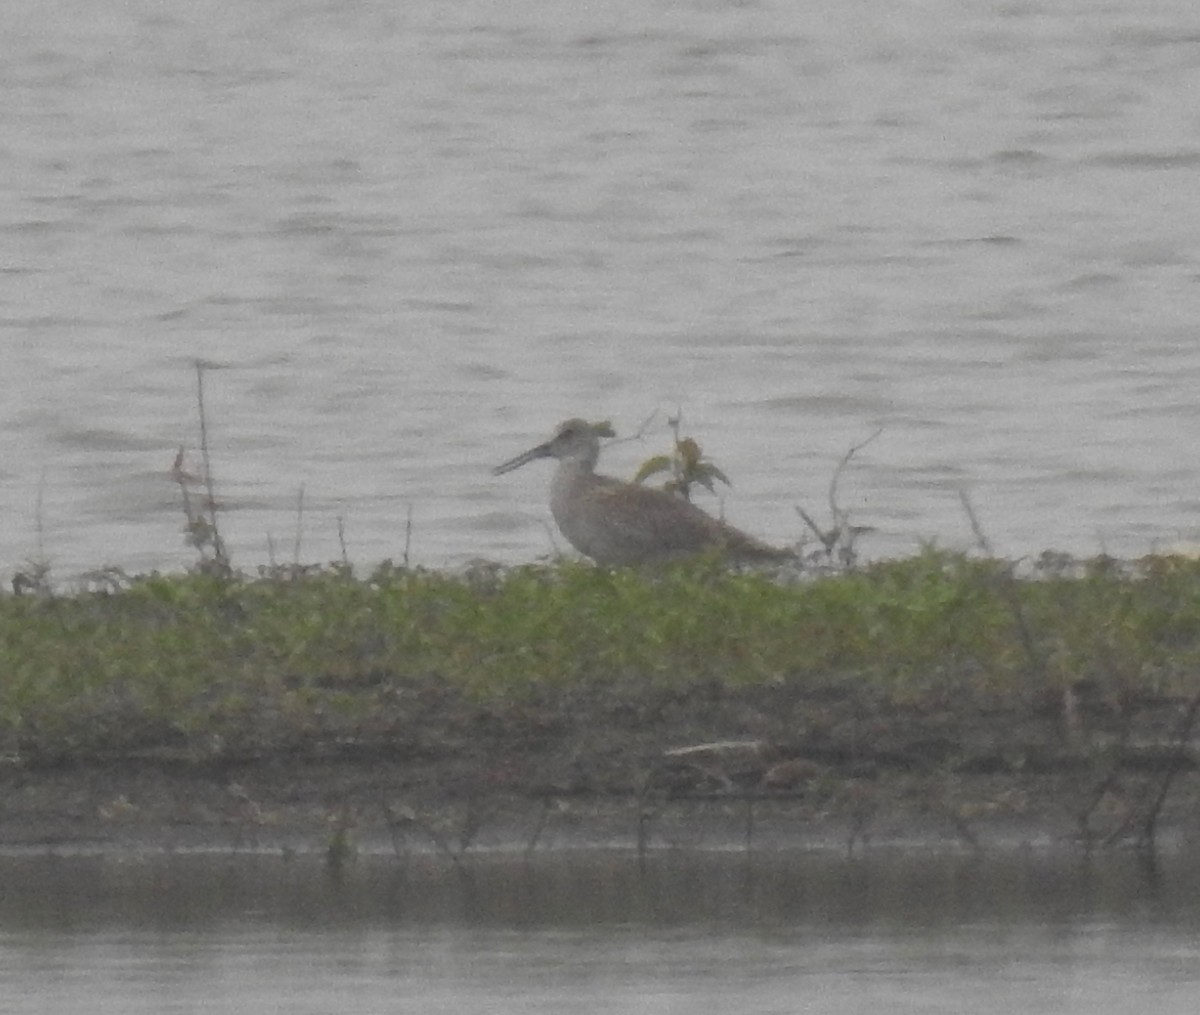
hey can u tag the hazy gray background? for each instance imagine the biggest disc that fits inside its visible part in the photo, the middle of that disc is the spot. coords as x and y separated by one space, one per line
416 235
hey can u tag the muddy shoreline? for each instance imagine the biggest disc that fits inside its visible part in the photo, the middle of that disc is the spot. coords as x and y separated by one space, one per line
322 807
714 767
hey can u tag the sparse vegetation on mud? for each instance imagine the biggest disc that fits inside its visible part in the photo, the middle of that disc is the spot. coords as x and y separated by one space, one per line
943 677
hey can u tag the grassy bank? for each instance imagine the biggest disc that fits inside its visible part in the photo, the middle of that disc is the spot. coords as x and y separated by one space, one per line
572 679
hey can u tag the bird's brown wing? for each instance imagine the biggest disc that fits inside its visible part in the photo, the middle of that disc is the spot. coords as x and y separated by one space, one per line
636 523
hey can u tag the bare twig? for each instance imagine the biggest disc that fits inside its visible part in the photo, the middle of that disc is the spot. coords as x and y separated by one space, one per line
839 515
39 521
539 825
1007 586
299 527
640 432
405 817
839 539
638 435
1146 835
35 578
400 819
981 539
220 557
827 539
1084 817
341 531
408 527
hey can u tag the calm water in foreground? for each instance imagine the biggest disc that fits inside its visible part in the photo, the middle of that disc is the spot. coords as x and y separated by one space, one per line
588 933
414 236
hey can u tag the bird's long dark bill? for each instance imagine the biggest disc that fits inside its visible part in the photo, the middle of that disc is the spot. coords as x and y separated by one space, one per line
541 451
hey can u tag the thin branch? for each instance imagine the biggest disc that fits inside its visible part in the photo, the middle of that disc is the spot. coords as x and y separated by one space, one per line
40 520
1187 723
826 539
841 467
209 484
299 527
981 540
539 825
408 527
639 433
341 531
841 535
1008 590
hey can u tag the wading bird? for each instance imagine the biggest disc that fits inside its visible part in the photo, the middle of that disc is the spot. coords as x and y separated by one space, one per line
617 523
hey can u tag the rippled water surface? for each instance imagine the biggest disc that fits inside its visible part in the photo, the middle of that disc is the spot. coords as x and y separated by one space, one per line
597 933
414 236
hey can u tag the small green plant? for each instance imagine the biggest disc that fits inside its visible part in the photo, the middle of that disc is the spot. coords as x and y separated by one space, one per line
686 465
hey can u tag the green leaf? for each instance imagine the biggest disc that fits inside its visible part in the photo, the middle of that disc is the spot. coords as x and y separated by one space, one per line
652 466
706 472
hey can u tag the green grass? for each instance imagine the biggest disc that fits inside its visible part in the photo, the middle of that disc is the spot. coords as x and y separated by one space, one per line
208 664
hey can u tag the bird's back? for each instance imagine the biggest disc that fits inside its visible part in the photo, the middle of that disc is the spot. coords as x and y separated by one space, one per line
622 523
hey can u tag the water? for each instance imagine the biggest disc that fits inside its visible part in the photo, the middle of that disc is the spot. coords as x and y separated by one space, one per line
596 933
412 238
